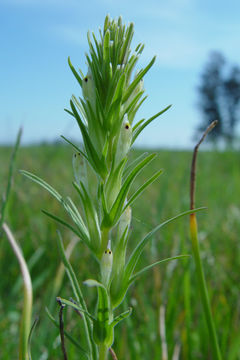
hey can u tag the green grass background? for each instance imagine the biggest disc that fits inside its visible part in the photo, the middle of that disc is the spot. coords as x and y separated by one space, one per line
172 285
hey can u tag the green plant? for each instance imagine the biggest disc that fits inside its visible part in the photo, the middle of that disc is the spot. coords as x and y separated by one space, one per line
112 94
196 252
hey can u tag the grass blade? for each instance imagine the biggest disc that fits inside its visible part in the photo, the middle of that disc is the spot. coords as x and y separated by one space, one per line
30 337
139 273
10 176
138 250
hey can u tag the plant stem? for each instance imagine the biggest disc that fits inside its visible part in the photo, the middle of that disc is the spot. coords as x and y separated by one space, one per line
196 252
203 287
103 352
10 178
112 352
27 299
105 238
78 293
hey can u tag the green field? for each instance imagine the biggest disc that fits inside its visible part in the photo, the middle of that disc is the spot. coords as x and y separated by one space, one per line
172 285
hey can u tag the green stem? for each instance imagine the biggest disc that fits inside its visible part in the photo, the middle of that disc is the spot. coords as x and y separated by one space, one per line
104 240
203 288
79 296
103 352
27 297
9 181
187 349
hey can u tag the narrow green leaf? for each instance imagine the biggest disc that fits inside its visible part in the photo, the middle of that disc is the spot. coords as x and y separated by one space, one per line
113 110
138 250
76 148
117 208
78 295
80 107
121 317
126 45
142 188
92 154
120 87
75 306
64 223
30 338
129 67
107 22
69 112
114 182
103 300
106 47
139 129
74 72
113 86
91 217
103 200
92 283
133 164
139 273
134 101
103 307
137 79
43 183
138 124
79 222
98 46
10 175
133 111
79 217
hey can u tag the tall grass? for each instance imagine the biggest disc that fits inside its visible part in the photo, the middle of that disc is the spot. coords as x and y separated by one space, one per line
218 189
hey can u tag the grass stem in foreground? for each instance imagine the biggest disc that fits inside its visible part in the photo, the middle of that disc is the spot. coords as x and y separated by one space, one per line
196 253
27 300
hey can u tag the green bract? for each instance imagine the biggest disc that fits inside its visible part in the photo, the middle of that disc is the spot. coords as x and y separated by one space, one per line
112 92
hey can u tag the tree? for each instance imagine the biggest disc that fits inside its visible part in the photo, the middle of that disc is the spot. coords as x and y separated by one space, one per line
232 101
219 98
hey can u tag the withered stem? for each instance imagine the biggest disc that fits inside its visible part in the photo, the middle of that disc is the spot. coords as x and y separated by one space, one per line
112 352
61 328
194 161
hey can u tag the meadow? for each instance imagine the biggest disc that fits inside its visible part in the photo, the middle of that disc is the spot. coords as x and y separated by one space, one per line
171 287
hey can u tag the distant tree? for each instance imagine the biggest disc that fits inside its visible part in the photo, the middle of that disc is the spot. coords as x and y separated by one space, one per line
232 101
219 98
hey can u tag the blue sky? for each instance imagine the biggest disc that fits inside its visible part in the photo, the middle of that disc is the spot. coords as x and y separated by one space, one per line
37 36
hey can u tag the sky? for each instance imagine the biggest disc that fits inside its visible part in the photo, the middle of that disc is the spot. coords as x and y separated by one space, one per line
37 36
